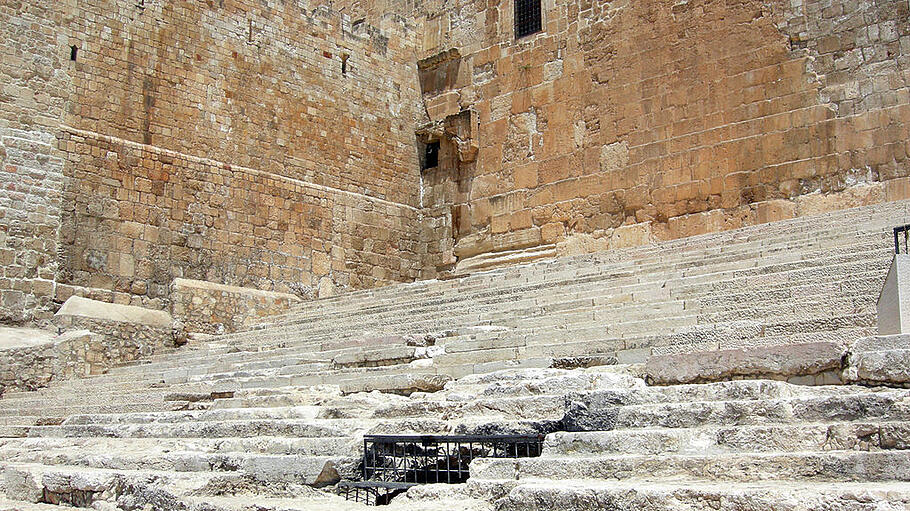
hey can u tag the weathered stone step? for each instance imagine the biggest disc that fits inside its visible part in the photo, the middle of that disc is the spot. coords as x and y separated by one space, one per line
18 505
294 412
31 483
372 295
530 407
882 406
700 337
441 497
860 436
818 466
326 446
682 495
212 429
271 468
361 312
299 428
119 403
886 367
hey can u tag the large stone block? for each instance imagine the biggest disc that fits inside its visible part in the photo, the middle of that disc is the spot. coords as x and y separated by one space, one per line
776 362
894 300
77 306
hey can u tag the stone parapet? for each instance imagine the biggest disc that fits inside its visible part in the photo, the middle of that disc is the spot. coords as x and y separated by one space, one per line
212 308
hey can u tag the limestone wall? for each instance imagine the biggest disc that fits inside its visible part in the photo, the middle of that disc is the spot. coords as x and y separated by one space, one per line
258 144
141 217
627 122
92 347
34 80
215 309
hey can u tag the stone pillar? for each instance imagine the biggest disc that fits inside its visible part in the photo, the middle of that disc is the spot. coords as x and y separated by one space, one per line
894 300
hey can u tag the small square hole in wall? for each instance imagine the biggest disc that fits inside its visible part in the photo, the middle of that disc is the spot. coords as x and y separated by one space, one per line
74 53
528 18
429 155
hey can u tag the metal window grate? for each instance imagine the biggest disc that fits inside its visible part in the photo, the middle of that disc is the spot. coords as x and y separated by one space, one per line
527 18
902 232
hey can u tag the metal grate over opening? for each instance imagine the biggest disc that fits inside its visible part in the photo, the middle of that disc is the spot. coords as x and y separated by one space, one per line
527 18
393 463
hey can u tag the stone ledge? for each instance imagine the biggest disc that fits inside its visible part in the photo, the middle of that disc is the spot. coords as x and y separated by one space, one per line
775 362
103 311
224 288
879 360
92 349
212 308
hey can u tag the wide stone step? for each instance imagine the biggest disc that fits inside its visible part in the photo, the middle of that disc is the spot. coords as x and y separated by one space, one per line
861 436
121 403
606 410
295 412
319 446
362 313
211 429
533 407
33 483
681 495
298 428
819 466
18 505
271 468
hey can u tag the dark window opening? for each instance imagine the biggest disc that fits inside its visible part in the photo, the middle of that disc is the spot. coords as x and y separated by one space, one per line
74 50
430 157
527 18
344 63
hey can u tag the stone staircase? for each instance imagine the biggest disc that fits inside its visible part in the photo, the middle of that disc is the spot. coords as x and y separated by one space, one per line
259 419
732 445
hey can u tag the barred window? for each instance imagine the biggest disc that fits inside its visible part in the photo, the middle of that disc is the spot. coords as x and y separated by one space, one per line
527 18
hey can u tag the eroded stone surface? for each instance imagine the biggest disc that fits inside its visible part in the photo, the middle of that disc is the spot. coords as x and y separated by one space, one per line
771 362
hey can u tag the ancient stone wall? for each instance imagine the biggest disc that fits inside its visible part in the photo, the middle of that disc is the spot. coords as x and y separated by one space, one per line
34 79
627 122
92 347
141 217
216 309
259 144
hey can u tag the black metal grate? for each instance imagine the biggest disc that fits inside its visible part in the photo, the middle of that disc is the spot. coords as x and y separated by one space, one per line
438 459
371 493
527 18
394 463
902 232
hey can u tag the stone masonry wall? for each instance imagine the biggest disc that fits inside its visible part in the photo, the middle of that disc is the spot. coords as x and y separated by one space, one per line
34 80
216 309
261 144
266 145
141 217
91 347
628 122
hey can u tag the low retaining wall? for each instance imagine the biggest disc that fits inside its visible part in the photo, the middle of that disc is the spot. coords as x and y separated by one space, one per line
94 348
98 337
210 308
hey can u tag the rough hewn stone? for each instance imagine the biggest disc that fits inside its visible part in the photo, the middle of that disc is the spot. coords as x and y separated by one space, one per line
78 307
777 362
216 309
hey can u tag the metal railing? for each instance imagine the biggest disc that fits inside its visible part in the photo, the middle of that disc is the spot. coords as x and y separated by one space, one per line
902 232
393 463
